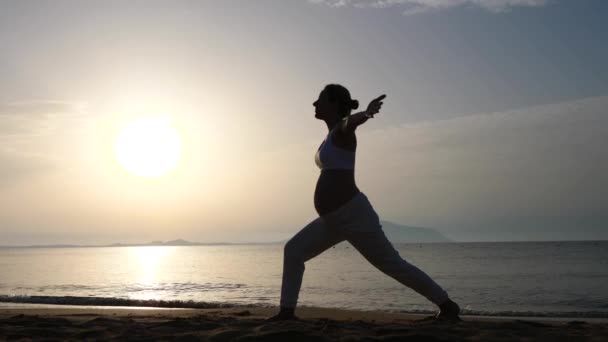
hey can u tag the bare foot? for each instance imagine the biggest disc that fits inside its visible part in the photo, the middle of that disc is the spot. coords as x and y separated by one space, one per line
283 315
448 311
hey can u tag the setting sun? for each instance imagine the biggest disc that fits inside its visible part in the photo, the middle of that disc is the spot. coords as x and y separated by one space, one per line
148 147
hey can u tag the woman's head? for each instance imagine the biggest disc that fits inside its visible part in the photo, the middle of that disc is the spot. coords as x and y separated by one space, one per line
334 103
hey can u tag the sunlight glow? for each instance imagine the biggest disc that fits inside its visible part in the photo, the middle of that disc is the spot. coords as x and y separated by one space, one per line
148 146
150 259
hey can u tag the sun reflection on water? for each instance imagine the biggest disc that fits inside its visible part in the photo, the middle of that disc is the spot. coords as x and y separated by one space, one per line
150 260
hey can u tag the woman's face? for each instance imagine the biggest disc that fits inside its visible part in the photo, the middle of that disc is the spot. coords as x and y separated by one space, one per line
324 109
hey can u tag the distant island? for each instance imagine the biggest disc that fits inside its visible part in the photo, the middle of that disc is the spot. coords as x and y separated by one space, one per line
395 232
178 242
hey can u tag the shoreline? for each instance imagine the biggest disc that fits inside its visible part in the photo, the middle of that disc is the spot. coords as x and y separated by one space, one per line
321 324
17 306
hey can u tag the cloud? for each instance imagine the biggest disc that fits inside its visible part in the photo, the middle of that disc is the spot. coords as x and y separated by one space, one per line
533 173
38 108
34 117
531 170
28 130
419 6
537 173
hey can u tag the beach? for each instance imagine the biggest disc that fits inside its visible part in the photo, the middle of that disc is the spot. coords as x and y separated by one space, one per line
23 322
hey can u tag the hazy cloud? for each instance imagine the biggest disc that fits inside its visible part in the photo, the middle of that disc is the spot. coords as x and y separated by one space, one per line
419 6
535 173
34 117
28 129
532 171
38 108
538 173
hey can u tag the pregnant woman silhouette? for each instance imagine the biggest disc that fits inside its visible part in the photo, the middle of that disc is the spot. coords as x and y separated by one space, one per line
345 213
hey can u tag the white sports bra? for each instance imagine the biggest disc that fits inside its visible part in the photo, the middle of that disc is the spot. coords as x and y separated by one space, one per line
330 157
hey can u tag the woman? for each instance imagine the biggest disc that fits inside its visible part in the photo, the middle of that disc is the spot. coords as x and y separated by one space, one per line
345 212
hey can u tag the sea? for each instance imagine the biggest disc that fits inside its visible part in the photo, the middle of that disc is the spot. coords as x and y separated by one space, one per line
542 279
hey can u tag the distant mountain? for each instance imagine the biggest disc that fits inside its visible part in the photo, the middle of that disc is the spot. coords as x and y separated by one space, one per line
178 242
395 233
400 233
182 242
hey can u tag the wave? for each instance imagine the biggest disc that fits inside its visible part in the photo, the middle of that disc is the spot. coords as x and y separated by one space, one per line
113 301
190 304
176 287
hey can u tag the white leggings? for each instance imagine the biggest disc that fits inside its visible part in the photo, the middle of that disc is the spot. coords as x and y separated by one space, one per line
357 222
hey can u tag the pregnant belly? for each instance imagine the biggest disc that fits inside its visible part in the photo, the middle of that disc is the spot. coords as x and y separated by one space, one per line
334 188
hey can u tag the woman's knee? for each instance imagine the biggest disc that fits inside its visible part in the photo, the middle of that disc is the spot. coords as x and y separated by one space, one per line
291 251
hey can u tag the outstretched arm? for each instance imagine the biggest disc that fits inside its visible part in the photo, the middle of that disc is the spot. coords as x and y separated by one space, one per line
351 122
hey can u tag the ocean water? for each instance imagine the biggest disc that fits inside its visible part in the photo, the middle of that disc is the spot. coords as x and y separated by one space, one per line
562 279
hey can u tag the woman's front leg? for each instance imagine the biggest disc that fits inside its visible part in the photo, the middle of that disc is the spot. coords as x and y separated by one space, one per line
309 242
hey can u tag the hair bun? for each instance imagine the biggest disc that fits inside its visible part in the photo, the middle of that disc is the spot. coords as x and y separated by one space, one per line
354 104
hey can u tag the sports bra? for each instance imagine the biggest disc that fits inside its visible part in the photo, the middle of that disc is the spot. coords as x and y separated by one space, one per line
329 156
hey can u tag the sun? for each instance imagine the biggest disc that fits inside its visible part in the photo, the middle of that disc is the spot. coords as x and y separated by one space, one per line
148 146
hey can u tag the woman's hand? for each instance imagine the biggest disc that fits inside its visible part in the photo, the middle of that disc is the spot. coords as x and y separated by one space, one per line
350 123
374 106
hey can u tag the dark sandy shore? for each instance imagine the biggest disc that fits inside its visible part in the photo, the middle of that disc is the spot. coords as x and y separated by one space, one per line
97 323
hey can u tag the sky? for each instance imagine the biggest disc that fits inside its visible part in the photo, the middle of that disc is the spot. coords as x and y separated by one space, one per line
494 127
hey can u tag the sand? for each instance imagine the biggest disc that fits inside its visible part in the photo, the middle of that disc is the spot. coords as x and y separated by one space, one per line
248 324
